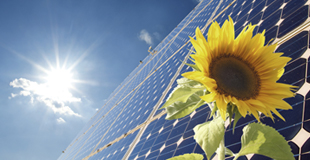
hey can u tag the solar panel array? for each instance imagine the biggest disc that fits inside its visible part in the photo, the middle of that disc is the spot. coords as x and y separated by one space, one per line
130 126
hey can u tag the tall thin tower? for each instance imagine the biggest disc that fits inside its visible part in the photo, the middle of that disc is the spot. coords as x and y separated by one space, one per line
130 126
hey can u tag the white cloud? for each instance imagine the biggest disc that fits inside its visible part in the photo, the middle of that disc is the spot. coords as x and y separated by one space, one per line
61 120
145 36
13 95
55 100
157 36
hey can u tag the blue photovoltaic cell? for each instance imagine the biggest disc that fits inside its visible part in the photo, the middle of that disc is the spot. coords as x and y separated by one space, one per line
292 6
293 20
296 46
142 93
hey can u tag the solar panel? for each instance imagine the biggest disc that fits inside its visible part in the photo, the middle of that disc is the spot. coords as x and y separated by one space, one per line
130 126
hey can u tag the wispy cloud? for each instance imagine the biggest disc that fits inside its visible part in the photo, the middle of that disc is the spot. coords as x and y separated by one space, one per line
44 93
61 120
145 36
157 36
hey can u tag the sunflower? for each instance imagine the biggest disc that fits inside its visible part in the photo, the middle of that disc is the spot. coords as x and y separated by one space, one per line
240 71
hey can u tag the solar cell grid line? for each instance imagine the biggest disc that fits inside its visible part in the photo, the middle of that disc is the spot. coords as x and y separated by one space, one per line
79 138
173 39
147 62
150 117
118 115
110 125
188 18
99 119
127 81
96 142
112 99
128 133
95 129
186 21
85 133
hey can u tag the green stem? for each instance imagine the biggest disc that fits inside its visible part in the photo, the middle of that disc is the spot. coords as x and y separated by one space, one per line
236 157
221 150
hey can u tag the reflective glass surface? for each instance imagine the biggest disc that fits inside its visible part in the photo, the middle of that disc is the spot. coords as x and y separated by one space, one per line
138 98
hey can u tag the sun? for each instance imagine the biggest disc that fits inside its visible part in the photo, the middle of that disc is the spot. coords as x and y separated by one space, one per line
59 78
59 82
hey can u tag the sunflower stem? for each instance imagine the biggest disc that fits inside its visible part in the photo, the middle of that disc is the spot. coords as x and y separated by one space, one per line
221 150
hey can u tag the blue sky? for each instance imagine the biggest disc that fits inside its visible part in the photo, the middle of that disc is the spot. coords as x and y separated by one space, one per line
94 43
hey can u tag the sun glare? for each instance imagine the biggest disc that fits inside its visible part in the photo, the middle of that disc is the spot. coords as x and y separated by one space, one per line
59 79
59 83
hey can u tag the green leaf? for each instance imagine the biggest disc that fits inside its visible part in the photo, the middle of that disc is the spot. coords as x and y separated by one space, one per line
188 82
214 109
194 66
233 110
192 156
180 109
183 91
236 118
209 135
230 111
229 152
261 139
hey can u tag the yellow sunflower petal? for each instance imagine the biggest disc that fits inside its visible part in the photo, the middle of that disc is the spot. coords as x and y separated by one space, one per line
202 41
243 39
255 114
227 99
209 97
280 73
194 75
222 106
231 29
242 108
214 32
269 114
213 37
271 75
277 113
228 36
278 90
276 103
196 46
199 35
202 63
209 83
280 63
256 43
259 105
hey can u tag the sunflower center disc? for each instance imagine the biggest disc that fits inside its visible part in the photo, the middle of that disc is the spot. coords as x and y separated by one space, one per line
234 77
